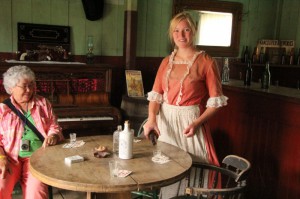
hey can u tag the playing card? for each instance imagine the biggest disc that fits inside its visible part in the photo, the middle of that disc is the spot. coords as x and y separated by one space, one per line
124 173
78 143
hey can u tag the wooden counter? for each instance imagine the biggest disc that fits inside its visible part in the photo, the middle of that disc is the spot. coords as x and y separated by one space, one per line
262 126
290 94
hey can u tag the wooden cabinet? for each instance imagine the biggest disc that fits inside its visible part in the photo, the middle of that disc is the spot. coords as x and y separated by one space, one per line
262 126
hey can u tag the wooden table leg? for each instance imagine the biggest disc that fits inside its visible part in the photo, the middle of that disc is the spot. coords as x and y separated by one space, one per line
89 195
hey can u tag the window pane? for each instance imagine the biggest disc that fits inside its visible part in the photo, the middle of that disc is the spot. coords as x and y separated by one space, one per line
214 29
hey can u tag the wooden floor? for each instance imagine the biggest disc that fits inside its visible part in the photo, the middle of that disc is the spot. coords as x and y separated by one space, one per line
60 194
65 194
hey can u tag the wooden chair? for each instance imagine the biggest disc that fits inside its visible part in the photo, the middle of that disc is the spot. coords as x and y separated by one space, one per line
153 194
228 181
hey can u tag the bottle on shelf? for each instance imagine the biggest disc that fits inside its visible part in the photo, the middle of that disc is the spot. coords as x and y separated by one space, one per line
266 77
90 55
254 57
298 58
246 55
291 56
225 71
116 136
283 57
126 142
267 57
262 55
248 74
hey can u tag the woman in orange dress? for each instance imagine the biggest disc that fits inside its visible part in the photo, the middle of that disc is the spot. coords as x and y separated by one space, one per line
187 91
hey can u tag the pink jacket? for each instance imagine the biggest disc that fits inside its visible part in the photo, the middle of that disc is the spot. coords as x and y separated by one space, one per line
12 127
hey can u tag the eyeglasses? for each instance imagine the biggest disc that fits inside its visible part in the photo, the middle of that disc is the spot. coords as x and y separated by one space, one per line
25 87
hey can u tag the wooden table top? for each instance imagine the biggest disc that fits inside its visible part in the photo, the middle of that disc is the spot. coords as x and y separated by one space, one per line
92 175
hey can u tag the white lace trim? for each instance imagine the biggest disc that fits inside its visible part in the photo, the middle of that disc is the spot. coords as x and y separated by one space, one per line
217 101
170 67
155 96
181 62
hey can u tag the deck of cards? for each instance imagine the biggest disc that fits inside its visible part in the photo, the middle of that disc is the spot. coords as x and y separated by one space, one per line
73 159
77 143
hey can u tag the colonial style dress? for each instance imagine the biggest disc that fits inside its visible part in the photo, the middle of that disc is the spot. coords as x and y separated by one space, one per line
183 99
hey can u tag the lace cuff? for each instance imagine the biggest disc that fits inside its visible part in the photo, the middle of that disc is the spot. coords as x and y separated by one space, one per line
217 101
155 96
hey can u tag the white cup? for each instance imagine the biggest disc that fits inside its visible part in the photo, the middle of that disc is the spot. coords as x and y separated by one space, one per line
114 168
72 138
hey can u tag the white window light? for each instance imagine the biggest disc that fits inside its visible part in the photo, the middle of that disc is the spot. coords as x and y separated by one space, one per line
214 29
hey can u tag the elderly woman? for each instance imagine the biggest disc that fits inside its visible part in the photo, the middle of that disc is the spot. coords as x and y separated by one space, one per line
17 139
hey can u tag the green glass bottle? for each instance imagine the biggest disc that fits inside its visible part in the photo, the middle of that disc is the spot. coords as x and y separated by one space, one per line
246 55
248 74
266 77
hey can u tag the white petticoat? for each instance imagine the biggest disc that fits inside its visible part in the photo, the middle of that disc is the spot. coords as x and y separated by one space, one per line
172 120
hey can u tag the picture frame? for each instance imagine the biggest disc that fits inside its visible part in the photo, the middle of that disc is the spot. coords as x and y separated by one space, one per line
275 49
134 83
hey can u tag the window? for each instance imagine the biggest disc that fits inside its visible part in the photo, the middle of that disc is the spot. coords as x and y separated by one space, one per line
214 29
228 28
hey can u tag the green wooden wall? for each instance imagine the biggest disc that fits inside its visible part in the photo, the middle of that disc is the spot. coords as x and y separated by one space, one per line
270 19
153 23
108 31
262 19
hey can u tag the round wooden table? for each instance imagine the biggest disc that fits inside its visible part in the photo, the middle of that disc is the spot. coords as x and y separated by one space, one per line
92 175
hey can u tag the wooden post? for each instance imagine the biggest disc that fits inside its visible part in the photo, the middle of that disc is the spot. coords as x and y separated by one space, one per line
130 34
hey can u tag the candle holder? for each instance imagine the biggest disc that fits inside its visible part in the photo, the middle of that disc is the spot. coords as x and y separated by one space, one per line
90 55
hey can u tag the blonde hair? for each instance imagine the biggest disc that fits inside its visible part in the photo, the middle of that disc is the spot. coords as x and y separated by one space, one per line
178 18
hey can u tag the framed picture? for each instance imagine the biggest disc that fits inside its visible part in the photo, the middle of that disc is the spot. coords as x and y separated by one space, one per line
276 48
134 82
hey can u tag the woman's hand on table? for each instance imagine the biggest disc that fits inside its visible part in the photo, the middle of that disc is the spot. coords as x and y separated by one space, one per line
50 140
150 126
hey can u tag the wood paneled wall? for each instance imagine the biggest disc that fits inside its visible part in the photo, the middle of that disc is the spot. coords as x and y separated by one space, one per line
263 128
262 19
269 19
153 24
107 32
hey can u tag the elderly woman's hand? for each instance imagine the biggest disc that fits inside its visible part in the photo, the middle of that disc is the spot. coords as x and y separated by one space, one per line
50 140
3 166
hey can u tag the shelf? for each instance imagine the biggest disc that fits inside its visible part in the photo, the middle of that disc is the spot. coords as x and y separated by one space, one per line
271 65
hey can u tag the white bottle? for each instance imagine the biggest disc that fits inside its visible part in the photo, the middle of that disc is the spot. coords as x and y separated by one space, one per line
116 135
126 142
